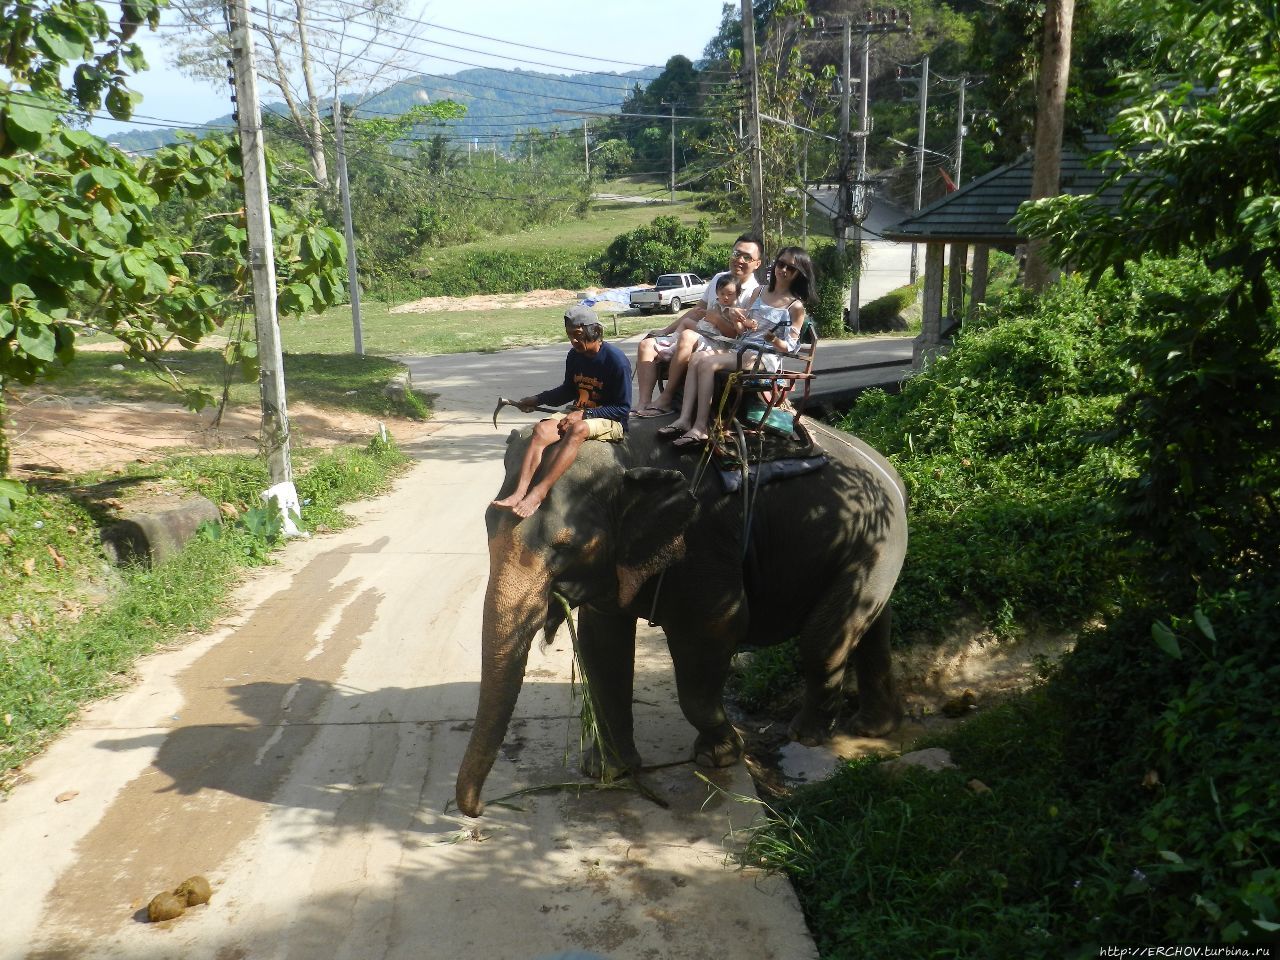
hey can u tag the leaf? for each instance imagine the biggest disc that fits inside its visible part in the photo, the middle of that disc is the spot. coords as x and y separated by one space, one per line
1202 622
28 123
1166 640
37 340
66 795
29 566
62 41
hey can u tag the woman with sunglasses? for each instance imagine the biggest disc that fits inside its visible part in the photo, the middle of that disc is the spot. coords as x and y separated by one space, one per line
774 318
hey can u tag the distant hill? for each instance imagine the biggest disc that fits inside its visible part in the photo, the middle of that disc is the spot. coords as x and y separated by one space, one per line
499 103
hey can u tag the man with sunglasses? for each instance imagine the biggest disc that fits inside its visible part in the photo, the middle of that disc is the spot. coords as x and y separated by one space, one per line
677 348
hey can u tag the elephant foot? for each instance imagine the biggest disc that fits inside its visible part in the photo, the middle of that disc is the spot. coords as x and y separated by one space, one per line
723 748
606 767
811 728
875 723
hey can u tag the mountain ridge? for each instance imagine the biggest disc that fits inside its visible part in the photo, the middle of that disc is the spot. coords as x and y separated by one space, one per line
500 104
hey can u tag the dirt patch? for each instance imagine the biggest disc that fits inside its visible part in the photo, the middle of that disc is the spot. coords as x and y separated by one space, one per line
72 435
495 301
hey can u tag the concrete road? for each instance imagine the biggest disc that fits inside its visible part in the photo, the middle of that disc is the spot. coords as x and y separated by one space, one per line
303 754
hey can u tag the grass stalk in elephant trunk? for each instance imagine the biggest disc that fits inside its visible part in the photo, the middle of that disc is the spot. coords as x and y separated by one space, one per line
588 729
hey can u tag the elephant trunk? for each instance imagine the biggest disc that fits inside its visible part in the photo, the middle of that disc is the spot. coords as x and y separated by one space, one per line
515 608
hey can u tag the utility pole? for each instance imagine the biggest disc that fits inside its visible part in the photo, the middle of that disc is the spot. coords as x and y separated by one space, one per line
262 261
844 199
960 129
673 151
348 231
753 100
586 149
860 204
924 106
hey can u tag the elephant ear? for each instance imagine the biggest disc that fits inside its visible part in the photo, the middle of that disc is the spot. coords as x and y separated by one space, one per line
657 507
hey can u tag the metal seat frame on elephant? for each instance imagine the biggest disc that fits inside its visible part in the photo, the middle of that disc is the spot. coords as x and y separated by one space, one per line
754 402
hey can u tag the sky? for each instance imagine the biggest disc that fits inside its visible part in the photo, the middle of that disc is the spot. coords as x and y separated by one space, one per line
626 33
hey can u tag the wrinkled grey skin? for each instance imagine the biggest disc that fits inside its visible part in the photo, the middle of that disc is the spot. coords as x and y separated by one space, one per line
833 542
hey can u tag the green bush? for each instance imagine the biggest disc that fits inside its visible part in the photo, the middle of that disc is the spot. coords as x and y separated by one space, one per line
664 246
883 313
493 271
997 446
835 273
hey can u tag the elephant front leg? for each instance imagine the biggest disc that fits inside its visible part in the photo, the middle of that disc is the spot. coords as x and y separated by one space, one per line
701 658
607 651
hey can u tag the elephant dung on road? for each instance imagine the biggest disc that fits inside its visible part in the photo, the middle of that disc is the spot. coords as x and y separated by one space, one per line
819 564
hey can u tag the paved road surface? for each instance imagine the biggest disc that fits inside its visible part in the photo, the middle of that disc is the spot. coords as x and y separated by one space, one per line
301 756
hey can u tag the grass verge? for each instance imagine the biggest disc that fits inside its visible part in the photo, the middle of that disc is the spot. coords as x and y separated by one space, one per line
71 625
337 379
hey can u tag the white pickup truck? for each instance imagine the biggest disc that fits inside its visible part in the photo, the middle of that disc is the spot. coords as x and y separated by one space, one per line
670 292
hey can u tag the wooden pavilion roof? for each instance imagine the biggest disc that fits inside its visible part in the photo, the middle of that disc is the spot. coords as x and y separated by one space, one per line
980 211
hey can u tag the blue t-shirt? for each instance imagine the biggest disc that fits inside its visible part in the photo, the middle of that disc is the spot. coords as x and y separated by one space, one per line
598 384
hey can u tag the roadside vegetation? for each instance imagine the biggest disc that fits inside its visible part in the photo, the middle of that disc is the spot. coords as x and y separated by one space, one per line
1102 458
72 625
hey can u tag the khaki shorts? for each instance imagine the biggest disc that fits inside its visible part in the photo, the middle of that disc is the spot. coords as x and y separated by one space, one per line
598 428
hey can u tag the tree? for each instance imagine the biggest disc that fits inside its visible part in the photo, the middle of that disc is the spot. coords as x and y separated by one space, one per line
1196 143
787 95
310 51
83 245
1051 97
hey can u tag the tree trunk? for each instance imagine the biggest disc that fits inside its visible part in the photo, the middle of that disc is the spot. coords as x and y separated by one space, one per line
1051 97
4 442
315 133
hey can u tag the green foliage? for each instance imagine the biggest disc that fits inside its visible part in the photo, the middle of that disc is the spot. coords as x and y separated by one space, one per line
664 246
496 271
835 274
917 865
611 159
11 494
78 217
881 313
1205 401
62 644
997 445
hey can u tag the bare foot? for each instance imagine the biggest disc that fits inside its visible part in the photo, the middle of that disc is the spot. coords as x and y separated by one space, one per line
507 503
529 505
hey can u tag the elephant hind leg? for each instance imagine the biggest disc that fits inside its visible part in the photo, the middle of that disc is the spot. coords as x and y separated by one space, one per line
838 631
879 709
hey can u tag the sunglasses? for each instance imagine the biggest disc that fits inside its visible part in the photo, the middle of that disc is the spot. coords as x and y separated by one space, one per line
786 265
743 255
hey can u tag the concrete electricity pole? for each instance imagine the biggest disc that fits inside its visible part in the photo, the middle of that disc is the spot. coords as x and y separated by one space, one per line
262 261
862 187
960 128
673 150
860 202
348 231
924 107
844 198
753 102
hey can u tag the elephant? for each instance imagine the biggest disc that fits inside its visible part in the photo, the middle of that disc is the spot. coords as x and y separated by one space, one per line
621 537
